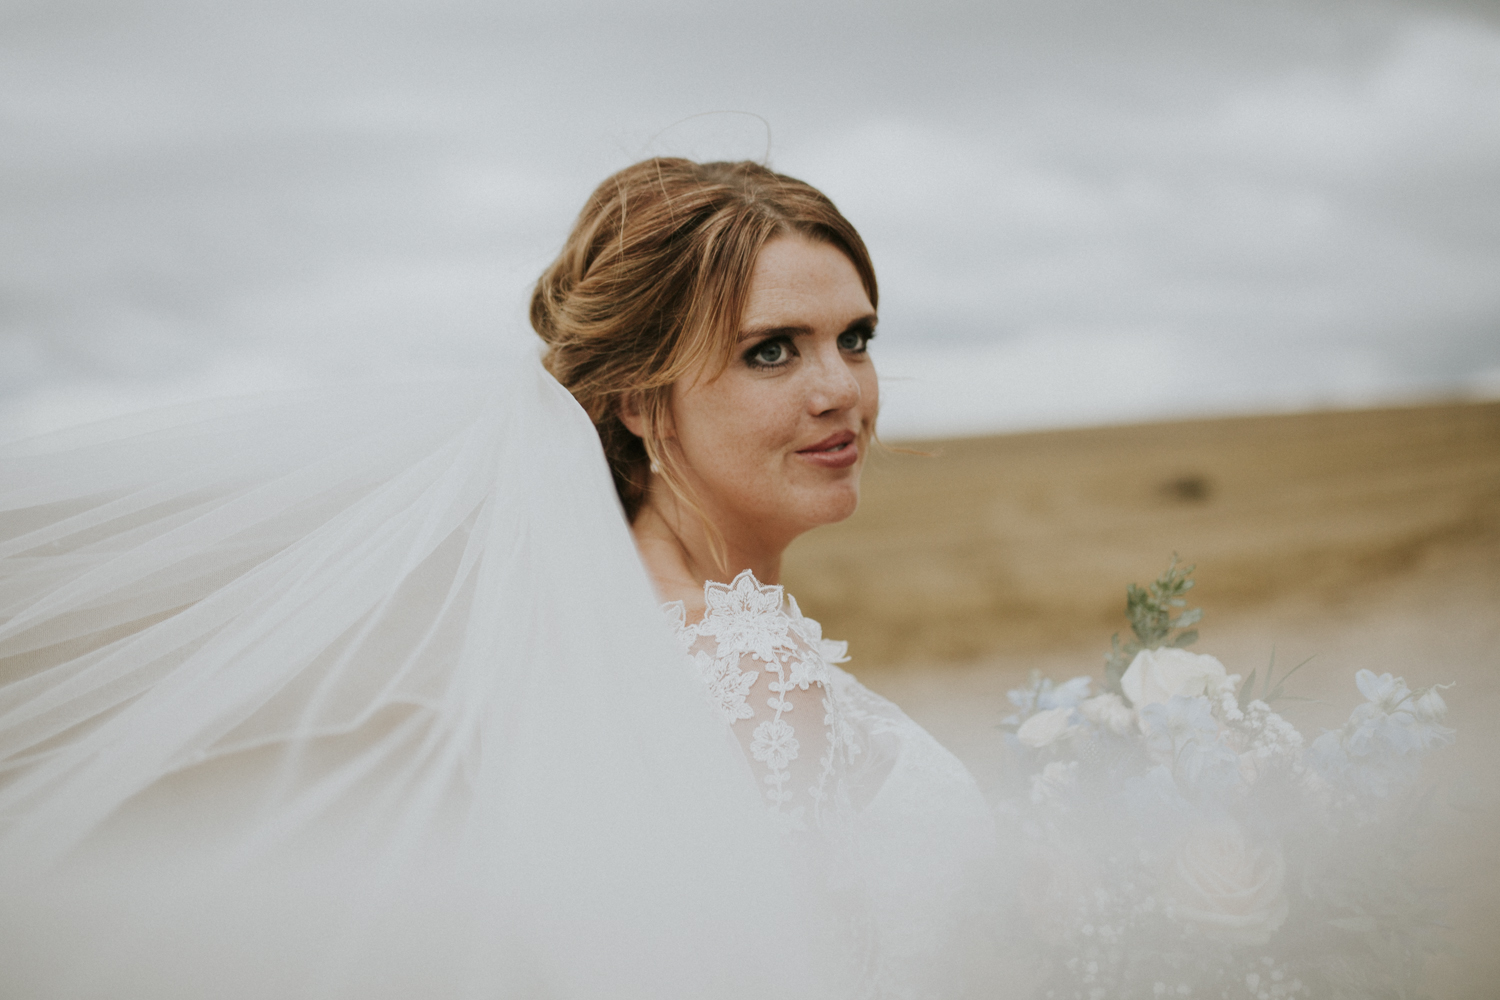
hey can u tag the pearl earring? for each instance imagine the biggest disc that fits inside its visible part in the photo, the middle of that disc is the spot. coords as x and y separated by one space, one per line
656 467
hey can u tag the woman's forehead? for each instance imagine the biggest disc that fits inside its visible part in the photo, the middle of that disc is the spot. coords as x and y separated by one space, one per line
797 281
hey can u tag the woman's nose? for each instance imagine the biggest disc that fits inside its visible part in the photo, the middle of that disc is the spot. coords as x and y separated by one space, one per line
835 388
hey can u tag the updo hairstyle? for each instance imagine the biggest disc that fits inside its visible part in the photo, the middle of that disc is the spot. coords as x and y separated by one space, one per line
651 286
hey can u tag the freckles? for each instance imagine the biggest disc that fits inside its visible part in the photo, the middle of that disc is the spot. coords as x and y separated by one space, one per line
763 419
729 432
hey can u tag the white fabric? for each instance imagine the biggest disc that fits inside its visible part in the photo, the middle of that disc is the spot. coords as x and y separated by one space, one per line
896 820
364 693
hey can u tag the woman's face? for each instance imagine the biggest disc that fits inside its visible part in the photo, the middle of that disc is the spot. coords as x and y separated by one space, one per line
774 445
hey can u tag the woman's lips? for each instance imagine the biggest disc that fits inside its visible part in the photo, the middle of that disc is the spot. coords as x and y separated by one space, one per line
837 451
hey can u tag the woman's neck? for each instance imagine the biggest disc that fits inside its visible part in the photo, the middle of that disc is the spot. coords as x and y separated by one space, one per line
676 549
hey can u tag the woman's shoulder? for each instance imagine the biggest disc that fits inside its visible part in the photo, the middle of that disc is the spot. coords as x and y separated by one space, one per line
744 605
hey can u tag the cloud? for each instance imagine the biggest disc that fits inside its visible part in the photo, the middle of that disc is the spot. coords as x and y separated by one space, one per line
1352 205
1429 102
329 188
1078 377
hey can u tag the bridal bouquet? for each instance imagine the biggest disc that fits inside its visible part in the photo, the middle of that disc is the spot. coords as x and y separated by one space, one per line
1185 840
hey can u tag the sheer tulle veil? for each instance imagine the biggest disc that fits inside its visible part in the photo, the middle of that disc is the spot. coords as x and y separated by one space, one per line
364 692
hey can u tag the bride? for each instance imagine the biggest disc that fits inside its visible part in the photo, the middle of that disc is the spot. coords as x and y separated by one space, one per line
375 692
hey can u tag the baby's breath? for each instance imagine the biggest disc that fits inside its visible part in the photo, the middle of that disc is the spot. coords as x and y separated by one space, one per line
1197 845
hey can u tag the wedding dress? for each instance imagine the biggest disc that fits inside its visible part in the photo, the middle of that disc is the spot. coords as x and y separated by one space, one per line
364 692
891 817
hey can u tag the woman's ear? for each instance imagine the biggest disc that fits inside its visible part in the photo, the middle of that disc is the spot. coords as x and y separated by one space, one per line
629 410
632 415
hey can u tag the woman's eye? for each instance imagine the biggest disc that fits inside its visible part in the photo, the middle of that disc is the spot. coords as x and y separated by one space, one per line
854 340
771 353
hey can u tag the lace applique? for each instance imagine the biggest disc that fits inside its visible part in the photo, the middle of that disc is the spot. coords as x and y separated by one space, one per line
728 685
891 844
749 630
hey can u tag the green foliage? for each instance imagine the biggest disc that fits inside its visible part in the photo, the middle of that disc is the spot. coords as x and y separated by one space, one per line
1268 694
1154 618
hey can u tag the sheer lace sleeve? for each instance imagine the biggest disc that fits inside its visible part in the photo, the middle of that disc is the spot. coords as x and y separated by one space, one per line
888 822
767 668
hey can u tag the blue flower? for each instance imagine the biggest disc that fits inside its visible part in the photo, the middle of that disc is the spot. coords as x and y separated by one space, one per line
1173 724
1377 748
1041 695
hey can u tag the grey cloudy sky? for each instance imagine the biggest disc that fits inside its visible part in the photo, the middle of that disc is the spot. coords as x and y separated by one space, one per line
1080 211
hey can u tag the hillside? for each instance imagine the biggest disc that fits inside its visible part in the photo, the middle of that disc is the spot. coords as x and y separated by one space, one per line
1024 542
1363 540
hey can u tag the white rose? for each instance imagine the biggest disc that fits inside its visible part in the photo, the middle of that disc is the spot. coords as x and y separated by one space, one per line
1155 676
1224 889
1044 727
1109 711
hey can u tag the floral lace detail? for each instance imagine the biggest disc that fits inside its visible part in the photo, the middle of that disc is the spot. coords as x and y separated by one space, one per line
885 818
749 630
728 685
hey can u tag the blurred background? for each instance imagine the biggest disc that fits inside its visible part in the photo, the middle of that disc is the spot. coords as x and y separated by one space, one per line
1215 278
1081 211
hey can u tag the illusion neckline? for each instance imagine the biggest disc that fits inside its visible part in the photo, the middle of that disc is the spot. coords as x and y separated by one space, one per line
745 580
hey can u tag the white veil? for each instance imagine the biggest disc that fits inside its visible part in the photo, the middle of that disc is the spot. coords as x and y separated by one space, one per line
364 692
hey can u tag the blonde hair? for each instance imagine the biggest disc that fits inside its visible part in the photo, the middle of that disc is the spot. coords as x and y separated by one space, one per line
651 286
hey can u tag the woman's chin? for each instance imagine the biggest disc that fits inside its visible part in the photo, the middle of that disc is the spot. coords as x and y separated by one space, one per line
831 504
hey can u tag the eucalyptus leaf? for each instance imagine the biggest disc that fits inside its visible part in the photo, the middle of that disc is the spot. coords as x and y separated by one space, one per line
1152 622
1298 667
1247 691
1187 618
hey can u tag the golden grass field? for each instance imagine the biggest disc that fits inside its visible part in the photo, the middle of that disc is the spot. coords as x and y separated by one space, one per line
1022 542
1363 539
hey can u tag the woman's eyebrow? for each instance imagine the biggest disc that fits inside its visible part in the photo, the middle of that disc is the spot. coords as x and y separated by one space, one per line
794 330
866 322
